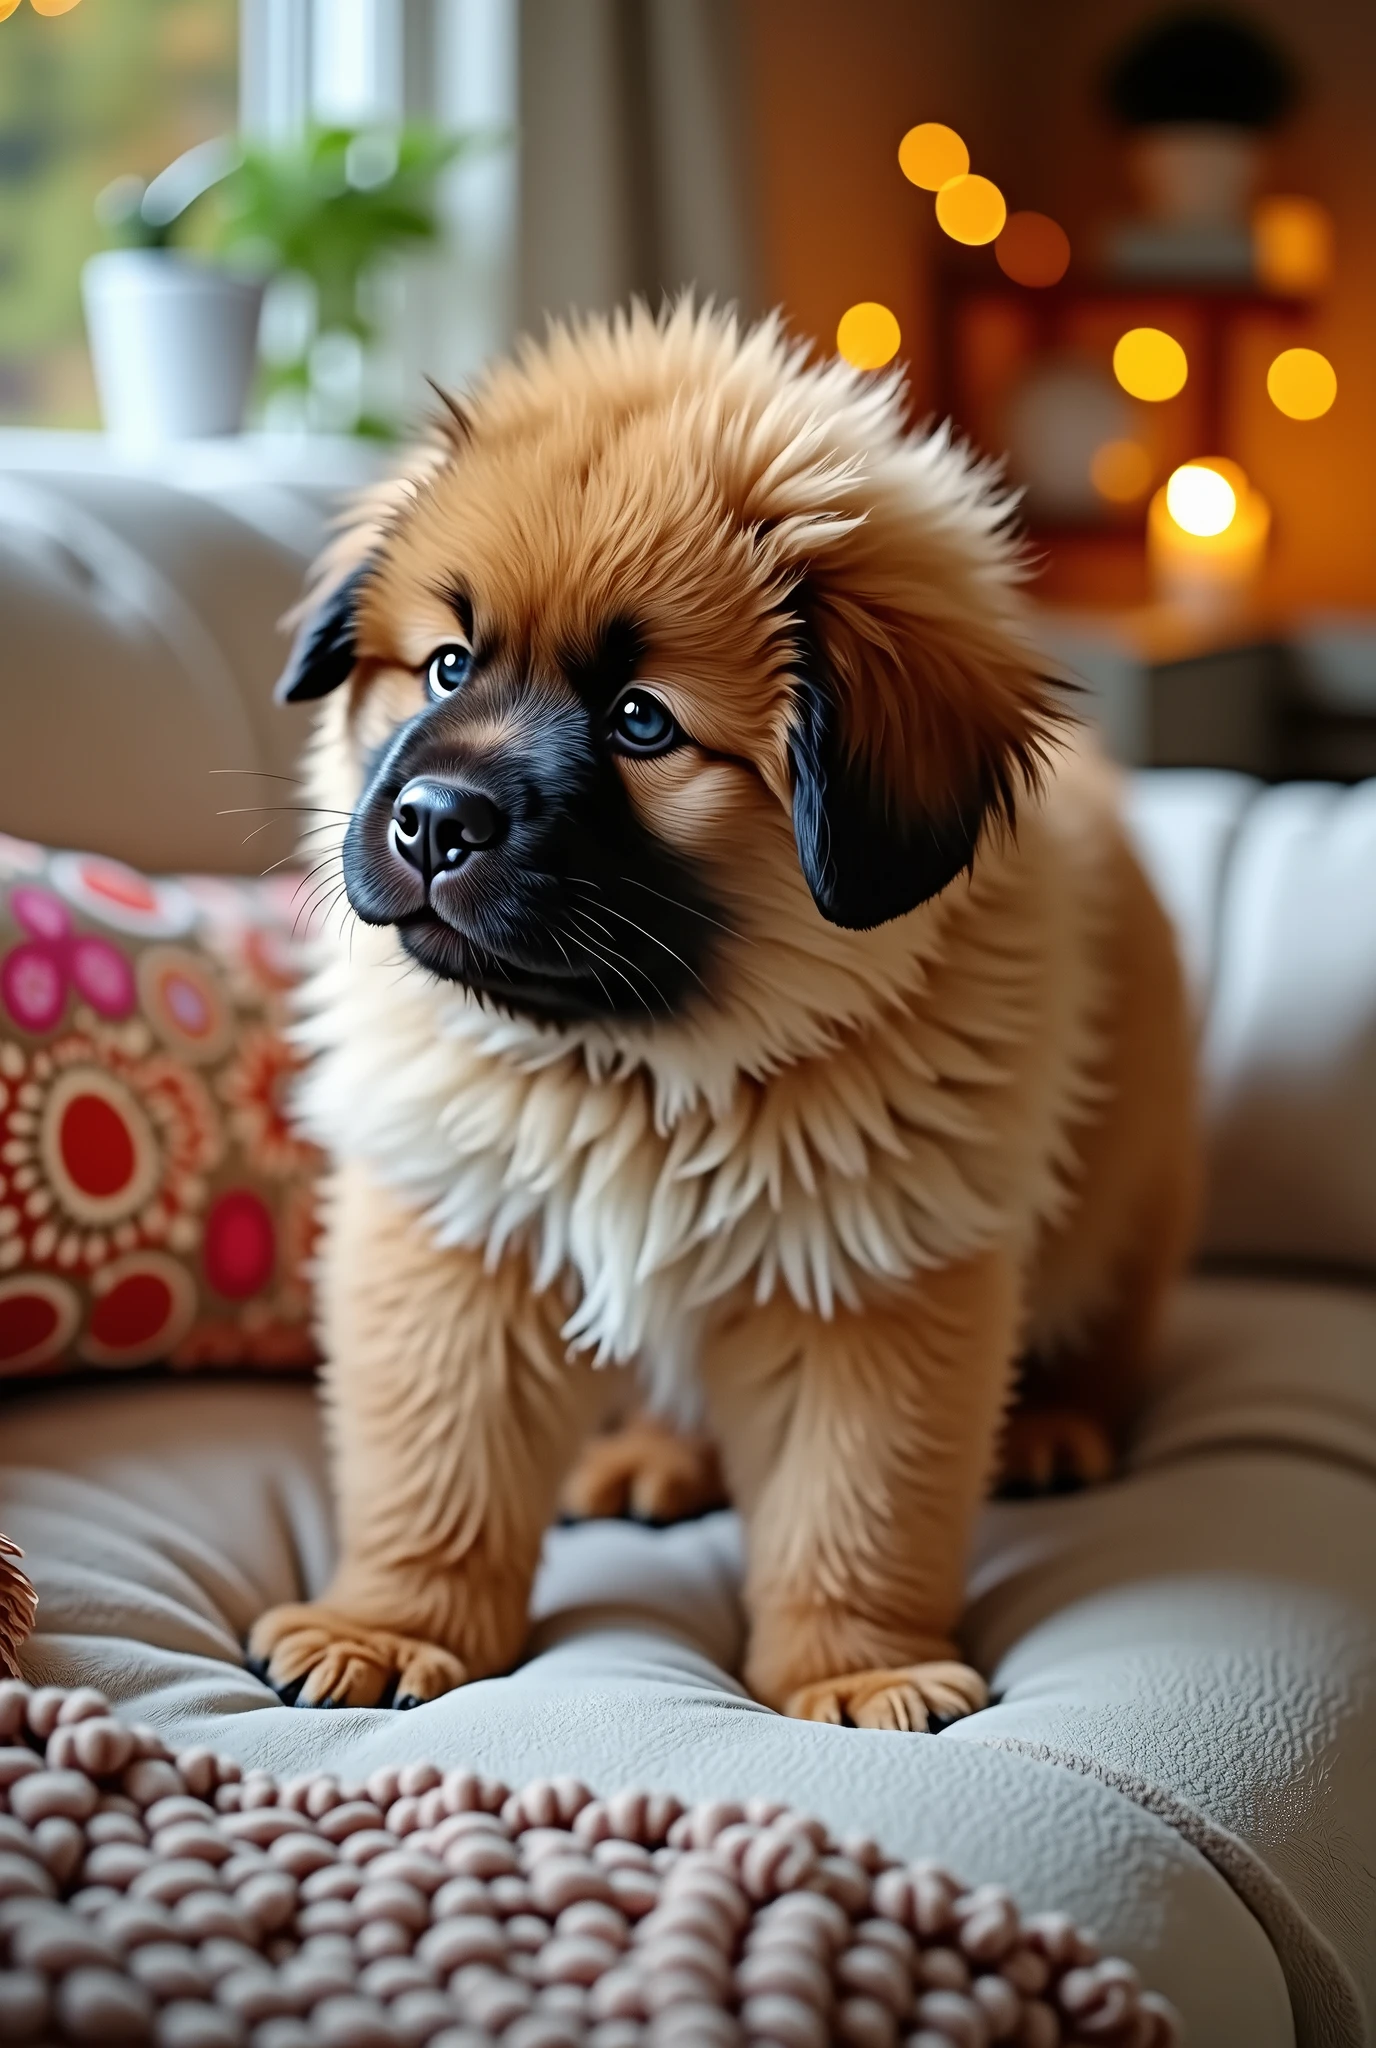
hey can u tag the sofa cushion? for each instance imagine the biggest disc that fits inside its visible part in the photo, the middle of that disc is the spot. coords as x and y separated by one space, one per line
155 1202
1184 1662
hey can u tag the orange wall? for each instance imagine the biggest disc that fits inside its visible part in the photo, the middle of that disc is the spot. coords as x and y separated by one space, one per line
834 84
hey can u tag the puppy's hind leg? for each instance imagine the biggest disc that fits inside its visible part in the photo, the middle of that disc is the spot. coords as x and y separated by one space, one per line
647 1470
453 1415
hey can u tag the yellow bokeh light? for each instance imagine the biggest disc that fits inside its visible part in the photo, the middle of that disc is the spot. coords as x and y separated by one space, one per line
930 154
1150 363
7 8
53 6
971 209
1301 383
1292 242
1120 471
1200 500
868 335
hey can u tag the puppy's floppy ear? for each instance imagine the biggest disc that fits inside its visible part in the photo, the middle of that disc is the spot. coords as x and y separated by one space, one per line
323 652
864 861
903 744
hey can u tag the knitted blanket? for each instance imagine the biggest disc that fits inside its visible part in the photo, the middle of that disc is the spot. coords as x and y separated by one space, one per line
147 1896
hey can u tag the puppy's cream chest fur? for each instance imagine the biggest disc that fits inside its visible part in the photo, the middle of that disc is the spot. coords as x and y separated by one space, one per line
650 1181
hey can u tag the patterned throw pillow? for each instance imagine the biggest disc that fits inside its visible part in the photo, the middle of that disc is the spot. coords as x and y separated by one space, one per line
155 1202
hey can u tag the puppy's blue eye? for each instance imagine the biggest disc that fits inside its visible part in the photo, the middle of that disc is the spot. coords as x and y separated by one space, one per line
641 725
447 670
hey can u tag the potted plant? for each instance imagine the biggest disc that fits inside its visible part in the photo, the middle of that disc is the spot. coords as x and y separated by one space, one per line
173 335
173 313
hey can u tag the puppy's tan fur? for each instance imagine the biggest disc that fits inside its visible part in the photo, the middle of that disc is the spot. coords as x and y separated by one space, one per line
833 1200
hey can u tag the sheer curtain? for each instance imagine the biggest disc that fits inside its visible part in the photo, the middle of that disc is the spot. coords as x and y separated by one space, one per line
635 160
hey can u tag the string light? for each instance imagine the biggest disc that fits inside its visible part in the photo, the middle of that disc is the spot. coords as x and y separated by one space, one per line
868 335
932 153
971 209
1302 384
1150 364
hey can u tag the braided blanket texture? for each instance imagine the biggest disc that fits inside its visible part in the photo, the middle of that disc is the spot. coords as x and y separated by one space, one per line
179 1900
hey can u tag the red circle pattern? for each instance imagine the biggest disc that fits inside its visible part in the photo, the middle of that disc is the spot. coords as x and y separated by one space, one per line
240 1247
96 1147
156 1198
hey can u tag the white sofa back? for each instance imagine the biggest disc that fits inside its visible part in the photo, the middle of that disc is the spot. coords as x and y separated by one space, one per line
139 648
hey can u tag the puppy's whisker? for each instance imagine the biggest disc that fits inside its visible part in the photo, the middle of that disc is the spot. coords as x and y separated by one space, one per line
651 936
319 868
286 810
732 931
593 954
267 774
309 907
288 858
611 962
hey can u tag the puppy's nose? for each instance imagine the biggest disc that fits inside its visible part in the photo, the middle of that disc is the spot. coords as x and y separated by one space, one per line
436 825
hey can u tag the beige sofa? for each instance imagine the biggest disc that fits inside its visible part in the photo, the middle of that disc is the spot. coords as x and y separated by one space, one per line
1183 1747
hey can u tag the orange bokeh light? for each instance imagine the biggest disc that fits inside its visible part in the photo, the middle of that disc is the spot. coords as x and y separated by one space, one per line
971 209
7 8
1033 249
868 335
1150 364
1292 239
53 6
1301 383
1121 471
930 154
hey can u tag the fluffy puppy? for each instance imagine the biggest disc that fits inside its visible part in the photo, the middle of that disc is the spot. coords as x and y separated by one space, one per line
705 1016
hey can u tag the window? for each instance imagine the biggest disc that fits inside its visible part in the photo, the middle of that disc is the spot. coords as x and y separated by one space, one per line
117 86
84 97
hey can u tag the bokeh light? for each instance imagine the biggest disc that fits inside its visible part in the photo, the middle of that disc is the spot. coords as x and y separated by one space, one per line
971 209
1302 384
7 8
1121 471
1292 242
1150 363
868 335
1200 500
1033 249
53 6
930 154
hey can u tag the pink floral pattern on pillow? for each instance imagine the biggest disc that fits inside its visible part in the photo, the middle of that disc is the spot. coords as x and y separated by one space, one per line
156 1201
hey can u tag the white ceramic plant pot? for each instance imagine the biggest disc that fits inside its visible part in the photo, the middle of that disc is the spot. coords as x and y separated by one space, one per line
173 342
1196 173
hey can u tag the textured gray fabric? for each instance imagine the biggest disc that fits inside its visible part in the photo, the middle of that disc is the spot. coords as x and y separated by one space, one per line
1181 1753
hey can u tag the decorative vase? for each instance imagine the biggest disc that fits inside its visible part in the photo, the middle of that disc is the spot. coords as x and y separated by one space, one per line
173 342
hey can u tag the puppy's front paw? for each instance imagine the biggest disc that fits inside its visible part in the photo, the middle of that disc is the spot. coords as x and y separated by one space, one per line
314 1656
905 1699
